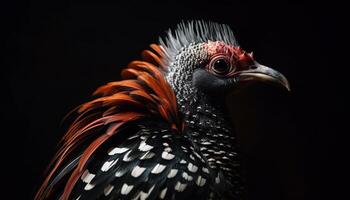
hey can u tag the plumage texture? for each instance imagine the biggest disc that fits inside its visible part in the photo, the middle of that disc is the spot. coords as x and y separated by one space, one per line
194 32
152 135
143 93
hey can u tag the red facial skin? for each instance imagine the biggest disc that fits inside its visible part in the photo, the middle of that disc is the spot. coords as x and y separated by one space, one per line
235 56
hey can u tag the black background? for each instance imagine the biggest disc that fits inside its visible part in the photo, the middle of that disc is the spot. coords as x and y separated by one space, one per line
57 53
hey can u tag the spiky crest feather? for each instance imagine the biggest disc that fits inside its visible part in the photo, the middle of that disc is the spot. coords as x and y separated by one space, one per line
196 31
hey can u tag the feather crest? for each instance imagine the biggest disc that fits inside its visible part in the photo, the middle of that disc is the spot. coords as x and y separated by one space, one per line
193 32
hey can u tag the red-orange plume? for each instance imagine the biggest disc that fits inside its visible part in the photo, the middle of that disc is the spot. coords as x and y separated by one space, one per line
146 93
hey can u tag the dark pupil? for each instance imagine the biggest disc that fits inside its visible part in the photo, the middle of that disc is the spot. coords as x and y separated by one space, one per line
221 66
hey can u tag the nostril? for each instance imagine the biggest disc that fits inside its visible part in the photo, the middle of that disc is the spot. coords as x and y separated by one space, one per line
253 67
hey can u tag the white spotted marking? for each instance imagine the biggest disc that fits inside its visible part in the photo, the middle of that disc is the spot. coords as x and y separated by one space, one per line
145 147
187 177
167 156
165 144
119 173
108 190
147 155
180 187
168 149
137 171
126 157
126 189
211 160
200 181
198 156
192 168
89 186
203 148
132 137
108 164
205 170
87 177
218 162
192 157
206 143
226 168
211 151
163 193
158 169
219 152
144 195
172 173
217 179
144 137
117 150
183 161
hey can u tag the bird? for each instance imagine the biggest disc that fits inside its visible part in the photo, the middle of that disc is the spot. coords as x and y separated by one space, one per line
163 131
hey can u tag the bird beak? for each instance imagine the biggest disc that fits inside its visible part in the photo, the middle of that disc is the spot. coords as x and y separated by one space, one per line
262 73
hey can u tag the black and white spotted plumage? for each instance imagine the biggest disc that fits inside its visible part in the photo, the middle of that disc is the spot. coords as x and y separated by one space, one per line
164 131
155 163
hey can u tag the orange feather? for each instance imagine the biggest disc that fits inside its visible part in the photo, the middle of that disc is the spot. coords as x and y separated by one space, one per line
146 93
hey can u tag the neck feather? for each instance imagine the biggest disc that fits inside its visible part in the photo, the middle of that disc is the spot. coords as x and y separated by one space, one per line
210 130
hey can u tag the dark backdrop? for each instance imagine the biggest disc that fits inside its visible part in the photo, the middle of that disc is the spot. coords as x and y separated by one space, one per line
58 53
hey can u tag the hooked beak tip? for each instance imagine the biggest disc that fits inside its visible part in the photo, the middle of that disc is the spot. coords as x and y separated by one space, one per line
265 74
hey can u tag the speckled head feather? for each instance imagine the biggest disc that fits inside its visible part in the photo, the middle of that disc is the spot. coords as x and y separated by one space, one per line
194 32
189 46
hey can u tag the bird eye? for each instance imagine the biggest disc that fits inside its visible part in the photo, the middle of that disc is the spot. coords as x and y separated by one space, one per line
220 66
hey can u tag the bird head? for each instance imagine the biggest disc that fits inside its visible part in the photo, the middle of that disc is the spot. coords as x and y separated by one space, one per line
205 60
